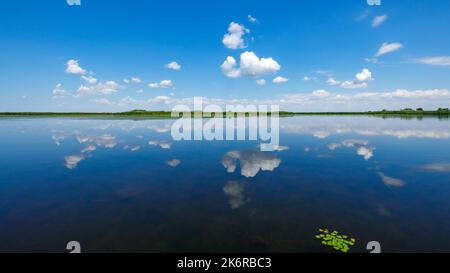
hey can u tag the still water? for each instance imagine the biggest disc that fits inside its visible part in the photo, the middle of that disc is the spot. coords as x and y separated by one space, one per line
125 185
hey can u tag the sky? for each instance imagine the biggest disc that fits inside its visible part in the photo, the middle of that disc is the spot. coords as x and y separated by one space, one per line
315 55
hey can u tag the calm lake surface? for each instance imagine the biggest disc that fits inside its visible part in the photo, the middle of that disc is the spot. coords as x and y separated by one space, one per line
125 185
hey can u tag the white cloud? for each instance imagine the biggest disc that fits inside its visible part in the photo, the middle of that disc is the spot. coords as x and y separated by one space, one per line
89 79
354 142
416 94
73 2
250 66
162 84
261 82
136 80
360 81
388 48
280 80
132 148
390 181
173 66
332 81
235 193
437 167
88 149
379 20
59 91
321 134
252 19
321 93
434 60
107 141
365 152
251 162
73 67
364 76
162 144
353 85
72 161
234 38
126 81
334 146
173 163
106 88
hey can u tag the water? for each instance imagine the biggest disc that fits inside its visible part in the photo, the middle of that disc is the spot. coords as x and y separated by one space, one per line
125 185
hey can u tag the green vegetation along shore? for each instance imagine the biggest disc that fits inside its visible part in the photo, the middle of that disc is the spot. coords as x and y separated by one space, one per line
444 112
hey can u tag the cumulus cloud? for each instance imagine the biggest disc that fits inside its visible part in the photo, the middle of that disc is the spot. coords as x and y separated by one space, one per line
107 141
251 162
106 88
361 146
173 66
364 75
388 48
379 20
433 60
173 163
332 81
250 66
360 81
162 84
73 2
73 67
73 160
365 152
280 80
234 38
390 181
235 193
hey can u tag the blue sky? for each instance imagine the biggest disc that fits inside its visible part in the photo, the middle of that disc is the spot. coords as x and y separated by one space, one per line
322 53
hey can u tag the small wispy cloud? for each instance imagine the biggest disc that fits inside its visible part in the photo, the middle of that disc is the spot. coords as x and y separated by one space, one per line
390 181
252 19
261 82
433 60
388 48
280 80
73 2
379 20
